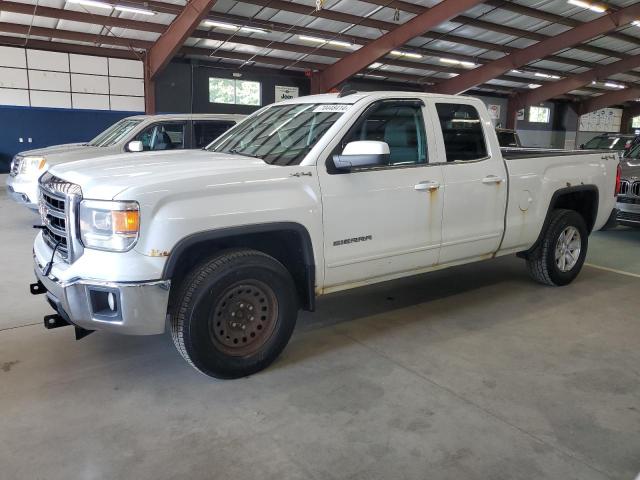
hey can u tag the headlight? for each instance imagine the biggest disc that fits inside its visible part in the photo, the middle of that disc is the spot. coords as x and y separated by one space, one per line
32 165
109 225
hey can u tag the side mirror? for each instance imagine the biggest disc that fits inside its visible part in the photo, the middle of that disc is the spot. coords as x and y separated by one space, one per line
363 153
135 146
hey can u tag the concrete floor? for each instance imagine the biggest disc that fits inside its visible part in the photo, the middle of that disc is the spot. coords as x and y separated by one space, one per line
471 373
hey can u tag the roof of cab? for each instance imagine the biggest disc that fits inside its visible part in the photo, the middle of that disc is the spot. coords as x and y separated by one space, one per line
189 116
353 97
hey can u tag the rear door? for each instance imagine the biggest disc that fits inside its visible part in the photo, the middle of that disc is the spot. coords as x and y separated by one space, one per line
475 183
383 220
206 131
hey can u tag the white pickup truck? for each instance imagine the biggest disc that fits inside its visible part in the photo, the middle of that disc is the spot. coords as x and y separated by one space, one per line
305 197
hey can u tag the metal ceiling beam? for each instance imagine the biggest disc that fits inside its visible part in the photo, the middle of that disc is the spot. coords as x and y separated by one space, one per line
68 48
456 39
508 6
382 25
553 18
574 82
173 38
169 8
74 36
540 50
82 17
368 54
608 100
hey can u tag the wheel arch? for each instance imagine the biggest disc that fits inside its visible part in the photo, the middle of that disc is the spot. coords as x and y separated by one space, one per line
288 242
583 199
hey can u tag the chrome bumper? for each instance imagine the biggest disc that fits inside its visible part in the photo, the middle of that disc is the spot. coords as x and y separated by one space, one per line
628 214
141 307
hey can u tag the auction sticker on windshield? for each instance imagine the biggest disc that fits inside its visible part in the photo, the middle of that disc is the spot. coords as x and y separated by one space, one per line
332 108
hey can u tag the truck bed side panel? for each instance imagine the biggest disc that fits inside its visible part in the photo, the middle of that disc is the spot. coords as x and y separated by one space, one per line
534 180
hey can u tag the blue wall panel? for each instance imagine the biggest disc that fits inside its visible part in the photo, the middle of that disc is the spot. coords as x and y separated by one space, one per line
49 126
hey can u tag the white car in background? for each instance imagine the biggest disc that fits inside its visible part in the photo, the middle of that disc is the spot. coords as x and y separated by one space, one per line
132 134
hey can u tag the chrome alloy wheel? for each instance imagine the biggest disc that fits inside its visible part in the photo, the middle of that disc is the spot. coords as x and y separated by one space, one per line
568 249
244 318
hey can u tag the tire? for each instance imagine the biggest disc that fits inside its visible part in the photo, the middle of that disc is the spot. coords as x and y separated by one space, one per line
543 263
234 313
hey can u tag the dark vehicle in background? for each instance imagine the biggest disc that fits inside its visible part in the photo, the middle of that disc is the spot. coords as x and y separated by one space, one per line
508 138
611 141
628 200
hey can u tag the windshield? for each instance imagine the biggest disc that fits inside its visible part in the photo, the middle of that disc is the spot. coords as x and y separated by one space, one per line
612 143
281 135
115 133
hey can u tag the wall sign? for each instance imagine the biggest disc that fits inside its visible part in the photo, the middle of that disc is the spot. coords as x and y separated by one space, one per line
520 114
494 111
286 93
604 120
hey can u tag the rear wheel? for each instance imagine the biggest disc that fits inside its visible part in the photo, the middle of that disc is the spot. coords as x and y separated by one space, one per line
234 313
559 258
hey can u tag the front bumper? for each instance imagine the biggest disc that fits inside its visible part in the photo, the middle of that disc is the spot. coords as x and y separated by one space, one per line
628 211
23 190
140 307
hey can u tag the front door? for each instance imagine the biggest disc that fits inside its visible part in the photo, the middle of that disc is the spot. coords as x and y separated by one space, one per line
383 220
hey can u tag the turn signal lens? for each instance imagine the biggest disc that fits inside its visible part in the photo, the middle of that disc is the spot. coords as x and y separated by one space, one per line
127 221
618 178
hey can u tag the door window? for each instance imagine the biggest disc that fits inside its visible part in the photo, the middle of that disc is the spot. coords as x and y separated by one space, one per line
400 125
462 132
205 132
162 136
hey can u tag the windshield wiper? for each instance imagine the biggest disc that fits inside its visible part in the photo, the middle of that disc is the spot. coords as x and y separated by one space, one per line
235 151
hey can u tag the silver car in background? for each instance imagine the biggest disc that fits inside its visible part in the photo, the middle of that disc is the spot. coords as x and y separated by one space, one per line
132 134
628 201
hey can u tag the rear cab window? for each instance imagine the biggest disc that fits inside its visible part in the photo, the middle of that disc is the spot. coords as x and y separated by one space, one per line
206 131
462 132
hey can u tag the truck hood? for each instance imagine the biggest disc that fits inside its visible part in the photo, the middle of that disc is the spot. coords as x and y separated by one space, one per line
106 177
59 150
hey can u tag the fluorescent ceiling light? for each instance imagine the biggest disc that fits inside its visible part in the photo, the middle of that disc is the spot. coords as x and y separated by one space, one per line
516 71
452 61
594 7
613 85
92 3
141 11
546 75
534 85
235 28
323 41
375 65
636 23
405 54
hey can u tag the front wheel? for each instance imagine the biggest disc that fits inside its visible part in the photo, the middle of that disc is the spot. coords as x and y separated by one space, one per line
234 313
562 250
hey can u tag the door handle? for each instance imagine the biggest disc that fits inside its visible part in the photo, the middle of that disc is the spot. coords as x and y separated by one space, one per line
491 179
427 186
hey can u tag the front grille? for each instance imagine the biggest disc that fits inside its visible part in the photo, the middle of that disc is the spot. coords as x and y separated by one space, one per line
635 189
15 166
57 204
629 216
624 187
630 200
52 212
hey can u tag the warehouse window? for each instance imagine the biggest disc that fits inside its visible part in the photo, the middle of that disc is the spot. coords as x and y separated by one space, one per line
539 114
635 123
461 131
234 92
